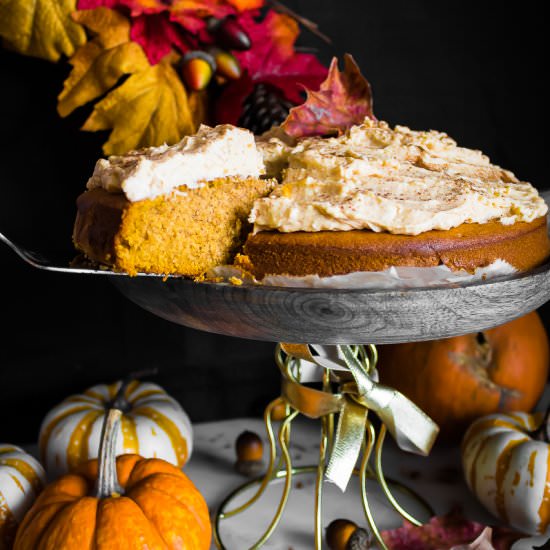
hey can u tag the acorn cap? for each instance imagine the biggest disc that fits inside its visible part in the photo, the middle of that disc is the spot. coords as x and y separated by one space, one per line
359 540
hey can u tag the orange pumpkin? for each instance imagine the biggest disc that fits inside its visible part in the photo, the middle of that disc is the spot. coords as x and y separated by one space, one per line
125 503
459 379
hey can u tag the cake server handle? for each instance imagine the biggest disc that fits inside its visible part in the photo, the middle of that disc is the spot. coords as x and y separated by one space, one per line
39 260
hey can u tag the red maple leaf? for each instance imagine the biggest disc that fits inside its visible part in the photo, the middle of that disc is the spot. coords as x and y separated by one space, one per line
157 35
271 60
343 100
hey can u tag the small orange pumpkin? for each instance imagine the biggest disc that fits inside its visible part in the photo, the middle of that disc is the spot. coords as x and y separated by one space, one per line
459 379
127 503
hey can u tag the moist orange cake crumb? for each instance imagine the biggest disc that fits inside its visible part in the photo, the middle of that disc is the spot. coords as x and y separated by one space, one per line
185 233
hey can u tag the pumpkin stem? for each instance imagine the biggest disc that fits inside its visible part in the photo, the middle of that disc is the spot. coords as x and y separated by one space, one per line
107 480
120 401
542 433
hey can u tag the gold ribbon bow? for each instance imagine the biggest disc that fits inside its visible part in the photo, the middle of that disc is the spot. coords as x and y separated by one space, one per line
412 429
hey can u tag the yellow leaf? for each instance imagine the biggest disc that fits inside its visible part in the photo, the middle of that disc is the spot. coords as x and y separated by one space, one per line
150 108
99 64
198 105
41 28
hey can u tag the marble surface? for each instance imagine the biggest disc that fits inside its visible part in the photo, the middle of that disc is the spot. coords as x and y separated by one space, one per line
436 478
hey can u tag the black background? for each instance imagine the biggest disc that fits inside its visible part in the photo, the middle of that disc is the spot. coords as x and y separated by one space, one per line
472 69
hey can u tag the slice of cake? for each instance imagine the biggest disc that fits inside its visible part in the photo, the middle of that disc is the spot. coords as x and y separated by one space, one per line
178 209
378 197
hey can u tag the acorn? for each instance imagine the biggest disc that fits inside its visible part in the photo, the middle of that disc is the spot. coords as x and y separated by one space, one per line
250 450
227 65
229 34
279 412
343 534
197 69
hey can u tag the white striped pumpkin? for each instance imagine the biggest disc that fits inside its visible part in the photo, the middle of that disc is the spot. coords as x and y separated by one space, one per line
21 479
153 425
508 470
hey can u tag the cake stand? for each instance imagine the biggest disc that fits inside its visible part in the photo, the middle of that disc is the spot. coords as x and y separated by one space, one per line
346 325
332 333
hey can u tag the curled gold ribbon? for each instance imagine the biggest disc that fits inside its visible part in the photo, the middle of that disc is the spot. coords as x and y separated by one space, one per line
412 429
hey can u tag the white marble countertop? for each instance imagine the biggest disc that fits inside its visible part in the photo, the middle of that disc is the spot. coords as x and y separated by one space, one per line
437 479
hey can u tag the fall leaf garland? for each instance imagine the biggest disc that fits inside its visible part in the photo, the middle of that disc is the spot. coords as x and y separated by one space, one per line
157 69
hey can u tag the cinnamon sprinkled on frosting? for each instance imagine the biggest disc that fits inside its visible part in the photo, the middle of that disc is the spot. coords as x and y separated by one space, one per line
396 180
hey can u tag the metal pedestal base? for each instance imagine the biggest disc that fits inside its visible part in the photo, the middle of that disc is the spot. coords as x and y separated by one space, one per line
281 470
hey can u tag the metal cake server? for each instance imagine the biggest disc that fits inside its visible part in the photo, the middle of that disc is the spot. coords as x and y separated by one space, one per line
47 263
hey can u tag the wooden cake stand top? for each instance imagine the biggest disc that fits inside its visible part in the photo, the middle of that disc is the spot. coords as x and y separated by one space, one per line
339 316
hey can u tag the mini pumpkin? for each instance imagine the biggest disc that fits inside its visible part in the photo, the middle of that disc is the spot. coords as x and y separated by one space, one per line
457 380
509 470
153 425
118 503
21 479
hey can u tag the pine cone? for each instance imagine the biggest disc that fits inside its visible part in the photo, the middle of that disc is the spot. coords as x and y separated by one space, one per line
263 108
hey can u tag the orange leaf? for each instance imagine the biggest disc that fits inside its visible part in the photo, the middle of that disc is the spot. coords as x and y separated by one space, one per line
41 28
243 5
343 100
150 108
283 31
100 63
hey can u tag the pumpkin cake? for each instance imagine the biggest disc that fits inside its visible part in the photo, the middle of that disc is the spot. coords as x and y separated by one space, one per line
378 197
172 210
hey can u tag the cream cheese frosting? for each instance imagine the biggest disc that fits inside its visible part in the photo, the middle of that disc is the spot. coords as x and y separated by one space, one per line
211 153
383 179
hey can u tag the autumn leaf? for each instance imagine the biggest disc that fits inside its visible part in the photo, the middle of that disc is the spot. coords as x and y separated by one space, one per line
451 531
199 107
100 63
40 28
157 35
190 14
244 5
150 108
271 60
343 100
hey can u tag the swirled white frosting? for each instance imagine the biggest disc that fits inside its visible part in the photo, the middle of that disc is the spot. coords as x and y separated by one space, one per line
211 153
396 180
